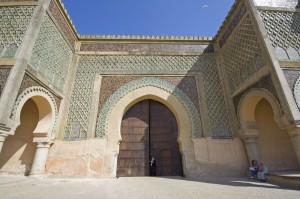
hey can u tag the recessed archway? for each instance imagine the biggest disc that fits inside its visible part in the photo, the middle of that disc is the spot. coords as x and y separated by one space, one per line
34 116
18 151
164 97
261 121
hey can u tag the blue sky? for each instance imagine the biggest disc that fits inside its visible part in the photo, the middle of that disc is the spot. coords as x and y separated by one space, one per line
148 17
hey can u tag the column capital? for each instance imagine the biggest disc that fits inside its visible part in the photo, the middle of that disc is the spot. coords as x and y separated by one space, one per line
43 144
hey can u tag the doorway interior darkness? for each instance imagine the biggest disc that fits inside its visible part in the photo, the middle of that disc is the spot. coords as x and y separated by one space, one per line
148 129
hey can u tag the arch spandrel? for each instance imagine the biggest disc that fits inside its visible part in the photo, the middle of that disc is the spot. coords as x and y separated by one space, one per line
144 85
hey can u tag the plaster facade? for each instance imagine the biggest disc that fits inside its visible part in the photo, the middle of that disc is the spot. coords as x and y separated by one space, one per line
235 96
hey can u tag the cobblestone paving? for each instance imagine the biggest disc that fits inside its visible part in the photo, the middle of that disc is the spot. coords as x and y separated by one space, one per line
143 188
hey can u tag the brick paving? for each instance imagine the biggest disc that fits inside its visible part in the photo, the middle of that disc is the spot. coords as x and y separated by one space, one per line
141 188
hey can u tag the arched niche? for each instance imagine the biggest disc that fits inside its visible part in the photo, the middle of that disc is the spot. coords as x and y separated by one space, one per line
169 100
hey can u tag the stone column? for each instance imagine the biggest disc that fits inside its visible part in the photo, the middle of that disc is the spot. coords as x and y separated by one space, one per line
295 138
251 148
40 158
2 139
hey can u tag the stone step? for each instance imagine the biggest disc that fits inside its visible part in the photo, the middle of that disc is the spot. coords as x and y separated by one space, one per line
288 178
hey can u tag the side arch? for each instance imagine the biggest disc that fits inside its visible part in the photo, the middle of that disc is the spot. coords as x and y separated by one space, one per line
47 112
102 122
247 105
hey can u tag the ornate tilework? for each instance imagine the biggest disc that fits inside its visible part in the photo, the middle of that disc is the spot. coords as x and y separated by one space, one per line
217 110
236 20
28 82
187 84
51 55
264 83
14 22
89 66
4 73
62 24
36 89
101 129
291 76
283 30
242 54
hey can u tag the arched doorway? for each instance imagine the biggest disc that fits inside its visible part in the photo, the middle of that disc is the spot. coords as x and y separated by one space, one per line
148 129
274 145
19 149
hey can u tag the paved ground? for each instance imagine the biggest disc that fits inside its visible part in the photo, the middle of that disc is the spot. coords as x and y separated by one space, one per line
140 188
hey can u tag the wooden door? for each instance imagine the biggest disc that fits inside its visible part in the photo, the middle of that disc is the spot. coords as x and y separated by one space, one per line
149 127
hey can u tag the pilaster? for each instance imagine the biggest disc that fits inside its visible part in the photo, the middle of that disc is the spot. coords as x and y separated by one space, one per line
15 78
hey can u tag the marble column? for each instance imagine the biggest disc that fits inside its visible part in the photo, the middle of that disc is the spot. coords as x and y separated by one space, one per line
40 158
251 148
295 138
2 139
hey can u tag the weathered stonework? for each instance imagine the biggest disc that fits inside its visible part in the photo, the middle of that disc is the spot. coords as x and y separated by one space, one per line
146 48
14 23
277 3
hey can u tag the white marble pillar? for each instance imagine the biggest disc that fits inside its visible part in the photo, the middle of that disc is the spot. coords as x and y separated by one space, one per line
251 148
40 158
2 139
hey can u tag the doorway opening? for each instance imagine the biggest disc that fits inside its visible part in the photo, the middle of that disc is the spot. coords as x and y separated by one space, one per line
149 129
19 149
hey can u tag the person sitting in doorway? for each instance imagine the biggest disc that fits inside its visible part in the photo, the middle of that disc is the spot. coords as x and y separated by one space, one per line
263 170
254 169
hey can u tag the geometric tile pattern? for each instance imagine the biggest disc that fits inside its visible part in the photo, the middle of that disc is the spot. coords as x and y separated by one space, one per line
283 30
242 54
90 65
51 56
13 25
217 111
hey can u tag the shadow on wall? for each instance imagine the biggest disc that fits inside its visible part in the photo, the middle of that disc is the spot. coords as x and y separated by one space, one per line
18 150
